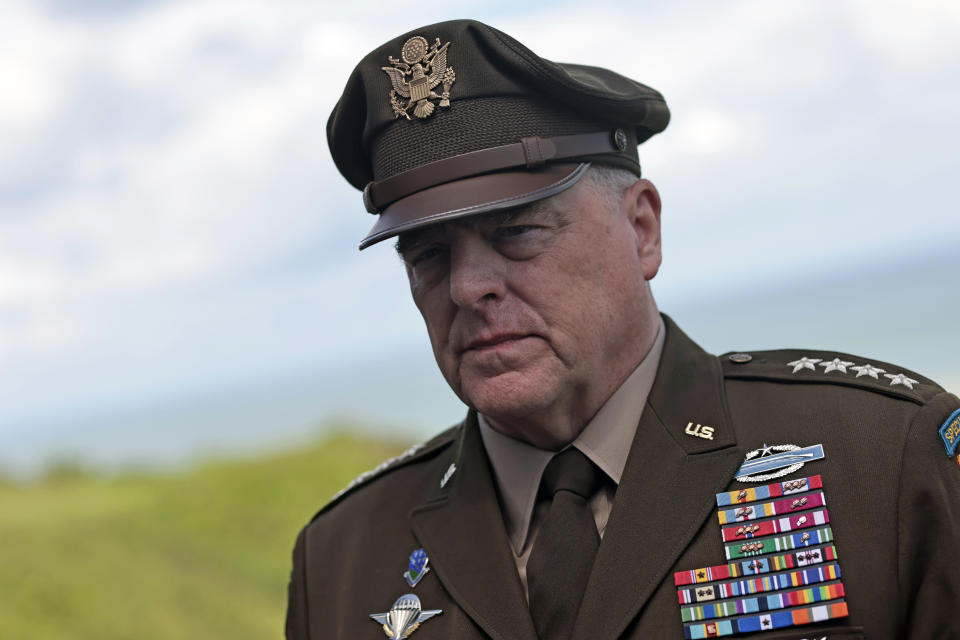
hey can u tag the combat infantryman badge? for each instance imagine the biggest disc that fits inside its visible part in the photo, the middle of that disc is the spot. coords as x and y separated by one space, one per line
417 567
404 617
762 464
415 76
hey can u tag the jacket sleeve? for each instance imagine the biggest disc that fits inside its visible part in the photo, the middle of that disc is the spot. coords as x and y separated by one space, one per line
296 626
929 527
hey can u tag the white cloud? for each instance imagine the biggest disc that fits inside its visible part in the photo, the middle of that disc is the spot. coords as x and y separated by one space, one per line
28 73
21 283
908 36
707 131
156 206
34 56
160 46
27 93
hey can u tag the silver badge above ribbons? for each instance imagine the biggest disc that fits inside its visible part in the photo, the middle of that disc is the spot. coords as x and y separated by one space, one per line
762 464
404 617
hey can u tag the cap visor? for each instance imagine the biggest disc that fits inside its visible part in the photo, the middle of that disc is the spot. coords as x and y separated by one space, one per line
472 196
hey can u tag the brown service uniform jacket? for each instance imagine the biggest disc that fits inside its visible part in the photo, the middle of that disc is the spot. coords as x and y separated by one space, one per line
892 493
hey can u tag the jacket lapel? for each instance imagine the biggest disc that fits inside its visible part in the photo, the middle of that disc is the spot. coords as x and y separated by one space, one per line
463 533
667 489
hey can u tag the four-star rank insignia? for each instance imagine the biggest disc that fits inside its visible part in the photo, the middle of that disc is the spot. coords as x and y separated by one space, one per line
415 76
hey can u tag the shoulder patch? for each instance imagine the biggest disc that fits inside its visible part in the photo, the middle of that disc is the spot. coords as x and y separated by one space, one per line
819 367
950 433
414 452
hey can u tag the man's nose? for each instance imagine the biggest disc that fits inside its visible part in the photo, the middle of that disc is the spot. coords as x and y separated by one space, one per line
476 272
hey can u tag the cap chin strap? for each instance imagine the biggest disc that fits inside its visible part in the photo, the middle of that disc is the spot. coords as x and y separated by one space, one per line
529 153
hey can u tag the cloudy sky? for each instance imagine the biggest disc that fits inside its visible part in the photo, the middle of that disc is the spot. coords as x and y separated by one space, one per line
171 223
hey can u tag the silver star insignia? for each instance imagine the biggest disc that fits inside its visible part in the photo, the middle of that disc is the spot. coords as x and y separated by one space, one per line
901 379
804 363
835 365
868 370
765 450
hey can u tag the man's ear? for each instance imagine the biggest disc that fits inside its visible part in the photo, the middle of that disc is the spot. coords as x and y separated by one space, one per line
641 201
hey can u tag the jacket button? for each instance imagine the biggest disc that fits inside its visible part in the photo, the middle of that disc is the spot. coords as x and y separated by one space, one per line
740 358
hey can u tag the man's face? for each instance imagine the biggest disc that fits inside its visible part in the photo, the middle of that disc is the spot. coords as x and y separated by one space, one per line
536 315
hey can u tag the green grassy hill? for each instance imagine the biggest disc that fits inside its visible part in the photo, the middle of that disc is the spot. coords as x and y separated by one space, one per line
203 553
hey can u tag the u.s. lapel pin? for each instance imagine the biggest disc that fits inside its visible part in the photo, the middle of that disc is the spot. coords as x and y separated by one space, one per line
404 617
417 568
699 430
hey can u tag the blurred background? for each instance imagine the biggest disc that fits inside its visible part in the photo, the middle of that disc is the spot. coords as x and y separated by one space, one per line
194 356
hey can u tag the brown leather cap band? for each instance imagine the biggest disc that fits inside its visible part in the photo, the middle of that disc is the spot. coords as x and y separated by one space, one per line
530 153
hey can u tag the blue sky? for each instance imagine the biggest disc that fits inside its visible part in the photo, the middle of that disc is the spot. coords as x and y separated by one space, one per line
171 223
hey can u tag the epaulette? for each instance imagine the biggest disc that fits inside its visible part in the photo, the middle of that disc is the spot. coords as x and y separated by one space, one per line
824 367
414 453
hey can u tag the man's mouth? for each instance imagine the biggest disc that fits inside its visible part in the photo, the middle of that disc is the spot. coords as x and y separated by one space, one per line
493 341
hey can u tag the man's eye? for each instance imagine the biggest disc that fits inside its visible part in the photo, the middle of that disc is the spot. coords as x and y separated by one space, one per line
424 255
514 230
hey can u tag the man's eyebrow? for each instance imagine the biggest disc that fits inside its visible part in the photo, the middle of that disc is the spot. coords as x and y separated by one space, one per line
410 240
539 209
504 216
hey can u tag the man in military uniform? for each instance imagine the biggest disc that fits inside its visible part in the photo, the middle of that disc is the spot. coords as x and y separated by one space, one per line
580 496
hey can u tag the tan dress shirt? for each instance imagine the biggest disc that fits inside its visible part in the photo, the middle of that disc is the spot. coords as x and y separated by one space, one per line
606 440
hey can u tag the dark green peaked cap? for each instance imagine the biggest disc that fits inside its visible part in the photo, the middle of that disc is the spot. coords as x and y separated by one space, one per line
457 118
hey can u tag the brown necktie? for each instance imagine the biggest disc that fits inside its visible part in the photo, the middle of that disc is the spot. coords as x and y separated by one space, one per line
566 545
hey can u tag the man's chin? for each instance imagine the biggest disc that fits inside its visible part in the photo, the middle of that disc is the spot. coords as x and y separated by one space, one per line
508 395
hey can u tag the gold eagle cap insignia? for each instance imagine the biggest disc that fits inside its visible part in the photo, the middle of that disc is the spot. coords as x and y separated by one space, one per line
416 74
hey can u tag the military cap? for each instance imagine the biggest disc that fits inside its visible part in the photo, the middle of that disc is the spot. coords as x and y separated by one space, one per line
458 118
